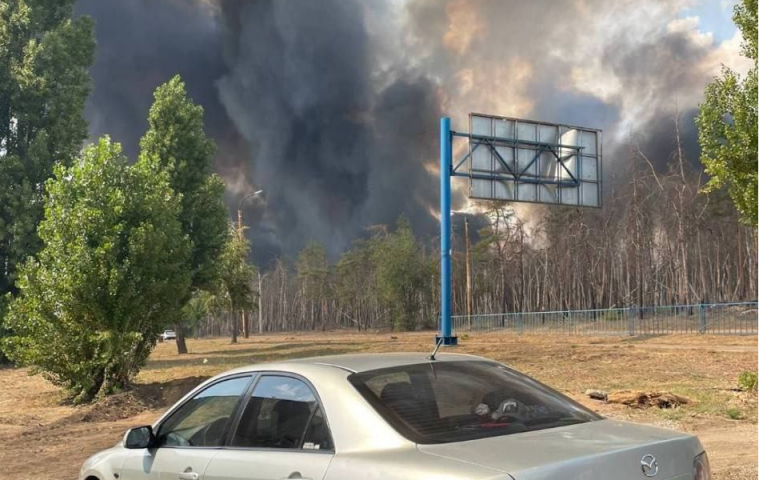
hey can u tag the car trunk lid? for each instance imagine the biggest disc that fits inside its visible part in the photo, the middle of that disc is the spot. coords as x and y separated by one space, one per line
594 450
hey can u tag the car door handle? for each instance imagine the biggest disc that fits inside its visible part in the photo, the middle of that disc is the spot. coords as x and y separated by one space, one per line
188 476
294 476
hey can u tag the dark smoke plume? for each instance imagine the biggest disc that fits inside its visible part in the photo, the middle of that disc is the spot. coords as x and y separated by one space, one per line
332 107
334 151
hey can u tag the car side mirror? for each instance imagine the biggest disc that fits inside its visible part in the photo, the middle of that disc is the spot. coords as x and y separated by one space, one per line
139 437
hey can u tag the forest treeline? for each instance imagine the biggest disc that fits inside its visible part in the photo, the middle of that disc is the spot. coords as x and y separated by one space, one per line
658 240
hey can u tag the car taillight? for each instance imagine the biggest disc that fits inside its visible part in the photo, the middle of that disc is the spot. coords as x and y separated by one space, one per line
701 468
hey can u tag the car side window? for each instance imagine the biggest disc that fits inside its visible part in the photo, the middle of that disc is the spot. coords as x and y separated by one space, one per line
282 413
202 421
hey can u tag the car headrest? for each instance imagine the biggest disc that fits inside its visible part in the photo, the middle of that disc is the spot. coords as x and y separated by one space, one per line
288 409
397 391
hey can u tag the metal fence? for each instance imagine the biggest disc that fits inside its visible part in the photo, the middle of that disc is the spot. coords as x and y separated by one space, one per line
738 318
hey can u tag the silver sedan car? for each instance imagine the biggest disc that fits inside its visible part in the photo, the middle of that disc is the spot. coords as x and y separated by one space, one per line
391 417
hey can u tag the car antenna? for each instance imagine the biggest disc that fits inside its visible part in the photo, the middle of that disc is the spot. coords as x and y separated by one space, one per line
437 347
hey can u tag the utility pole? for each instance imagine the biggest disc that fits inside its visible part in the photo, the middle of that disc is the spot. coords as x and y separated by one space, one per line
469 301
260 304
244 320
245 330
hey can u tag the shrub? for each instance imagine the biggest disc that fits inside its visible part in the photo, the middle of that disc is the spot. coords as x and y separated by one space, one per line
107 280
734 414
748 381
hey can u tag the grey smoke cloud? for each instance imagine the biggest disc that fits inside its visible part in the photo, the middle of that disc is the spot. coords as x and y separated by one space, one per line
332 107
622 66
334 152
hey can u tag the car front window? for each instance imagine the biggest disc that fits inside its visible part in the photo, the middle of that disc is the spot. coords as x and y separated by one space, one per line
440 402
202 421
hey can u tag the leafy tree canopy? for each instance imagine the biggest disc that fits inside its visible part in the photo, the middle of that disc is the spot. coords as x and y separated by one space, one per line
401 274
236 273
175 143
313 269
727 124
109 277
44 82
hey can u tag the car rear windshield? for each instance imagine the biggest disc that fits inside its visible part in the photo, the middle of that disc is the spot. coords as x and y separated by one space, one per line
454 401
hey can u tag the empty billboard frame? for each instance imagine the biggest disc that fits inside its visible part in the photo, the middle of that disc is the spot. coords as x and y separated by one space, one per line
518 160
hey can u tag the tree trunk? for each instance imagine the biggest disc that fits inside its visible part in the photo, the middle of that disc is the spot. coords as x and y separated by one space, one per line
233 326
181 343
468 274
260 305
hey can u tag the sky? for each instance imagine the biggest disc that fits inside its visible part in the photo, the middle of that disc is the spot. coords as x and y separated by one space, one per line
714 17
332 107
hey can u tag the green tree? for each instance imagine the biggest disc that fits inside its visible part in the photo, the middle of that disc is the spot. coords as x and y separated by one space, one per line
313 271
175 143
111 273
355 284
727 124
44 81
196 309
235 283
402 274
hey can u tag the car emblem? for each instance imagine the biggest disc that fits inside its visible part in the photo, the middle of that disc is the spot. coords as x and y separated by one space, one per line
649 465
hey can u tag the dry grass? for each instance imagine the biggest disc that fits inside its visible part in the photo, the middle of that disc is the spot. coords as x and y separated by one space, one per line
41 439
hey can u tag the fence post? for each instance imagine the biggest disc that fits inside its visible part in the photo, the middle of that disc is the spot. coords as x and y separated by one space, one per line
631 328
521 323
701 317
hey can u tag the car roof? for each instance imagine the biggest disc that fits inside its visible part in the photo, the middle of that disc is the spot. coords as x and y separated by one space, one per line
362 362
354 363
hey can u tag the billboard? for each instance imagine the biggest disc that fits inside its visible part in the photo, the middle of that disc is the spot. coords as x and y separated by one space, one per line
519 160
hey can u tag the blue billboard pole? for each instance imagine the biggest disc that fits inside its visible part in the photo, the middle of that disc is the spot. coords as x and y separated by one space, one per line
445 334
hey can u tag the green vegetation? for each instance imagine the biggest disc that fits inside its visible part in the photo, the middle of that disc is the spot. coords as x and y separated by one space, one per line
44 82
401 275
113 269
748 381
176 144
313 268
385 276
121 250
199 307
727 124
354 283
734 413
233 290
127 251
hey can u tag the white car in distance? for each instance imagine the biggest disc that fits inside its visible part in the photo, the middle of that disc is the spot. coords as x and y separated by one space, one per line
392 416
168 335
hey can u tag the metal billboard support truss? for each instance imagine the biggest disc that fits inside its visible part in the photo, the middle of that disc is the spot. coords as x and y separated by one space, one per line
511 174
552 163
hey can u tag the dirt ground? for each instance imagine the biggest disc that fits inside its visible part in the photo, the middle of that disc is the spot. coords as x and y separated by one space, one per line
43 439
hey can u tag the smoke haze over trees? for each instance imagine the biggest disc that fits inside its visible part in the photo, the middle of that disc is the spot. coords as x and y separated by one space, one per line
335 115
656 242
